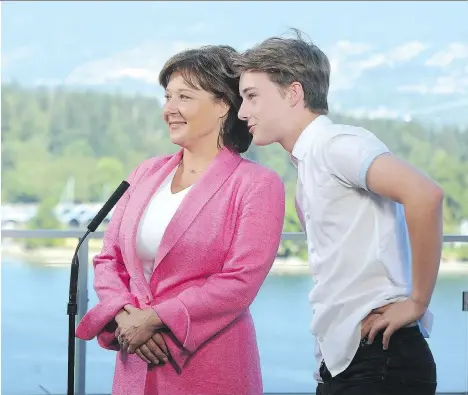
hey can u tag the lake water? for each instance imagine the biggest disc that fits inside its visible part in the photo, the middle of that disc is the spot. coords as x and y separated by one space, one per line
35 330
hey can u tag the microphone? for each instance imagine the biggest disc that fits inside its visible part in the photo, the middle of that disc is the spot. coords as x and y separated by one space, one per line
74 272
118 193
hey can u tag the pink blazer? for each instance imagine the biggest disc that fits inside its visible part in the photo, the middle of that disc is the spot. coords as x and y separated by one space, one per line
214 256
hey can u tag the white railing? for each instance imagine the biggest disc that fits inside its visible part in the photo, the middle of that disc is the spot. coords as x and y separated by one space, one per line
82 300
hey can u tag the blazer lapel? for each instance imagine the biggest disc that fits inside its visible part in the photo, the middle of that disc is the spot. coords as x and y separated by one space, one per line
146 189
210 182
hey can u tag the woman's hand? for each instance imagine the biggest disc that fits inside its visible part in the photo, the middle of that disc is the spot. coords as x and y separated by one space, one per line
154 350
121 316
136 328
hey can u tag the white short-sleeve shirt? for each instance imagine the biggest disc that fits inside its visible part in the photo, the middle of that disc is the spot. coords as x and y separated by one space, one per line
359 251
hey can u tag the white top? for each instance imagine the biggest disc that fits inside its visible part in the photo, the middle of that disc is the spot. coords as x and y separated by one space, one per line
154 221
359 251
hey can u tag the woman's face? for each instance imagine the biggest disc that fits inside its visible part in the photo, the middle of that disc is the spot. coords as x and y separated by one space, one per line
193 115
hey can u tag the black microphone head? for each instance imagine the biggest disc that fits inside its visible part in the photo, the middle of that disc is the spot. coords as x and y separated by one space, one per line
111 202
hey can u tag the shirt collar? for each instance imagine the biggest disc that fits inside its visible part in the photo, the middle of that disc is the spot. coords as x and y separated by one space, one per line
306 138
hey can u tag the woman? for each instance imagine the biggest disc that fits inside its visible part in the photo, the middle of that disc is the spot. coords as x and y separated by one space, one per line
189 246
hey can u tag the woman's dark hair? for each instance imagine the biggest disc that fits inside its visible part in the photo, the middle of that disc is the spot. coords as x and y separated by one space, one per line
210 68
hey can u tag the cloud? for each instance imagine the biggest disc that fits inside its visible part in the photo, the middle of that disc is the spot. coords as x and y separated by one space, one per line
141 63
449 84
377 113
349 48
454 51
452 80
345 70
414 88
383 112
349 60
406 52
454 83
10 58
372 62
347 67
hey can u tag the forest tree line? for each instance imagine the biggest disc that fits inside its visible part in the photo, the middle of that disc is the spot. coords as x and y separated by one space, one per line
52 134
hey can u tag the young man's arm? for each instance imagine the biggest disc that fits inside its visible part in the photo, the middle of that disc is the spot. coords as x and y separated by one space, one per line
422 199
423 202
361 160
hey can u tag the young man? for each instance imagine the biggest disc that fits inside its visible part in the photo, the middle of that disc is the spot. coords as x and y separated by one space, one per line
373 225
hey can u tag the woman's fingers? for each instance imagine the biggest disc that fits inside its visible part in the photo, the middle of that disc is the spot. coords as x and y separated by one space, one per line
159 340
142 356
156 350
149 354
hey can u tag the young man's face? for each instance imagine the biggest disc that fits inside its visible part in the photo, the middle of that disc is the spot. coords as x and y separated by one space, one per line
263 107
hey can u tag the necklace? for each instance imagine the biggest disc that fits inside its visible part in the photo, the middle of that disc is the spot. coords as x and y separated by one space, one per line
181 164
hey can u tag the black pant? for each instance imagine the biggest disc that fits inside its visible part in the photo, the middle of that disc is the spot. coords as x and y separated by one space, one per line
407 367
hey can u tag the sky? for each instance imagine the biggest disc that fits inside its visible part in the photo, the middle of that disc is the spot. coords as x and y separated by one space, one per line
398 59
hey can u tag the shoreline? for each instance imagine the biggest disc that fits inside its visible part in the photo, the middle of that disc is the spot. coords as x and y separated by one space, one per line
61 256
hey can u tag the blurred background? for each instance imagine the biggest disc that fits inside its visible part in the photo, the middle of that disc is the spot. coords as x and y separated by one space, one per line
81 107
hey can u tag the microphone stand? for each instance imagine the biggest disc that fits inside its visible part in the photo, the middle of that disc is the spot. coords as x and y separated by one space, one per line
72 309
75 266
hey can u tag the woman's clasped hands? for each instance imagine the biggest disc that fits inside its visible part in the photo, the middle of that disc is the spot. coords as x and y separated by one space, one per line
138 332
